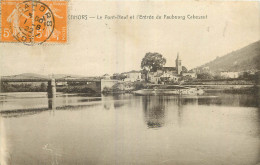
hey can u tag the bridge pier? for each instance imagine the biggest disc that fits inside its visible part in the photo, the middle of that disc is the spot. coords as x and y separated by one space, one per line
52 103
51 89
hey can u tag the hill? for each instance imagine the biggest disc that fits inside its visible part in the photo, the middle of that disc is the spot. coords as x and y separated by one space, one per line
58 76
244 59
26 76
39 76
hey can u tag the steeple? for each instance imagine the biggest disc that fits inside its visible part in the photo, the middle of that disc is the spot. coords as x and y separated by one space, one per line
178 64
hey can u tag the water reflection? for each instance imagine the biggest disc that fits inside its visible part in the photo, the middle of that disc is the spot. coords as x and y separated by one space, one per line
15 105
22 112
52 103
235 100
154 107
154 111
129 129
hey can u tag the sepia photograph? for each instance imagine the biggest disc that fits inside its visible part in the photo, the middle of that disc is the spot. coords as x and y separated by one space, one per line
92 82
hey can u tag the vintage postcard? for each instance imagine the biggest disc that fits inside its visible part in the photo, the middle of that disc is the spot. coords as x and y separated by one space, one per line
86 82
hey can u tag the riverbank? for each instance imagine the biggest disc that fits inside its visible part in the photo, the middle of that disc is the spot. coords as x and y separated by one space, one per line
208 88
226 86
249 89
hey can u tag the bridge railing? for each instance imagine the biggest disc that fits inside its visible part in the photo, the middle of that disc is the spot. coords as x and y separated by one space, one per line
51 88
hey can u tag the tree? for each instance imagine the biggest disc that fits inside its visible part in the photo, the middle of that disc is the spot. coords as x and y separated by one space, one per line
43 87
118 76
186 78
152 62
248 76
218 77
205 76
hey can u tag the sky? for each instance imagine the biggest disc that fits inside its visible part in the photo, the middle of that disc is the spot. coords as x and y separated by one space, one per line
96 47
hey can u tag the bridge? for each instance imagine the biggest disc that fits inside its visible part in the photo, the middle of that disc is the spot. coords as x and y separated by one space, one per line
51 88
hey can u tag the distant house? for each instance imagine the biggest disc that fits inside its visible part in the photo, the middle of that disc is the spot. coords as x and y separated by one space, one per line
154 77
170 77
133 76
169 70
205 69
227 74
190 73
162 77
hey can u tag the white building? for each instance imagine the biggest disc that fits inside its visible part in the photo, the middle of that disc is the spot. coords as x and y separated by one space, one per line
134 76
227 74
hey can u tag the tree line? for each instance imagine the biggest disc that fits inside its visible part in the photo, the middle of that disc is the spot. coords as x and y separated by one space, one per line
23 87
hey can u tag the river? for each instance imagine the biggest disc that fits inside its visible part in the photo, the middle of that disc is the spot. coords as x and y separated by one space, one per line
213 129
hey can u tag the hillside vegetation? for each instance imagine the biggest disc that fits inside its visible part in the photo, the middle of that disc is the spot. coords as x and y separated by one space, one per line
244 59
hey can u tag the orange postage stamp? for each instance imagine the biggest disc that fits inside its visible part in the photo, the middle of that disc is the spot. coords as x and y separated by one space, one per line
34 22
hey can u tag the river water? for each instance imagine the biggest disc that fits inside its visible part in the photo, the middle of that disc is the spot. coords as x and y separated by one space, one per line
214 129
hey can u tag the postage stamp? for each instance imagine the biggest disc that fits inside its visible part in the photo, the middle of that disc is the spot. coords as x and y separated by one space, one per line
34 22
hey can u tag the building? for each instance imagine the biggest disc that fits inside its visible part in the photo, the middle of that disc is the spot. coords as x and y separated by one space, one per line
202 70
155 77
133 76
178 64
170 77
190 74
166 74
227 74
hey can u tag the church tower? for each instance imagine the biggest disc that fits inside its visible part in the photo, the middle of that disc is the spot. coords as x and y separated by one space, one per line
178 64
